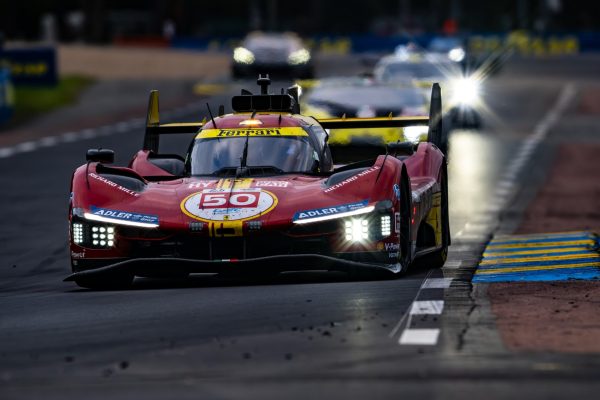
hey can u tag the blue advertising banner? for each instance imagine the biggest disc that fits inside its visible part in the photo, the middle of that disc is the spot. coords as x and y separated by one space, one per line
31 66
6 95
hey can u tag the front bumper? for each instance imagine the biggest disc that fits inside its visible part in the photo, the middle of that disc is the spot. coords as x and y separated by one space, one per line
278 263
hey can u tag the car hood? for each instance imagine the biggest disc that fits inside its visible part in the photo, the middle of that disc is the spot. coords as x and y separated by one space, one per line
276 200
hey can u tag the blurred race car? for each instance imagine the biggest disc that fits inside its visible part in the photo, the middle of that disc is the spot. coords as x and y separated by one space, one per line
258 193
277 54
364 98
464 92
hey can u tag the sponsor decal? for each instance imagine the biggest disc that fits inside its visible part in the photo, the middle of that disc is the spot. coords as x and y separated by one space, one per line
392 246
318 212
201 184
124 215
74 254
243 132
351 179
279 184
113 184
393 254
228 205
397 191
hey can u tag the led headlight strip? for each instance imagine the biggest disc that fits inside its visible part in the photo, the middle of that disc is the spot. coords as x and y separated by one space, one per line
359 211
100 218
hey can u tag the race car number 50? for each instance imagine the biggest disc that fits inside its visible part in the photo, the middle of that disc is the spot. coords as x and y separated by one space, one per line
226 205
219 200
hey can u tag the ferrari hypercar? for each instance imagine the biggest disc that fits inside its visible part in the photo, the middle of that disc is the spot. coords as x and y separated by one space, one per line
257 193
464 92
280 54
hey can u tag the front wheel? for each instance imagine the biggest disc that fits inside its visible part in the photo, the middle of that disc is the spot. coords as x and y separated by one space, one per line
437 259
108 282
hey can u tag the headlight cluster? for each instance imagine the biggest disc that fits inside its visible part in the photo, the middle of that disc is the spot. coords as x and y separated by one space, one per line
78 233
103 236
93 236
243 56
298 57
364 229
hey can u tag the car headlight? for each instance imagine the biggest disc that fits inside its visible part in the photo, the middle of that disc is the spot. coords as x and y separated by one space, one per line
97 236
465 91
298 57
242 55
457 54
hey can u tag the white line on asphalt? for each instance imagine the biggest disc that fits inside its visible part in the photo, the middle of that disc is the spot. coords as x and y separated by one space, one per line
436 283
6 152
420 307
88 133
426 337
25 147
48 141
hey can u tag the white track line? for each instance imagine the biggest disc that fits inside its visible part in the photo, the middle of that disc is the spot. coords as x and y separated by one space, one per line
89 133
424 337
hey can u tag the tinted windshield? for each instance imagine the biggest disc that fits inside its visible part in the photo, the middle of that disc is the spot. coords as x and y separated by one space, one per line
221 156
374 96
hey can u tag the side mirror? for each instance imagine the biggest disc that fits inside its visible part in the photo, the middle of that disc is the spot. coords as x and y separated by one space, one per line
401 148
105 156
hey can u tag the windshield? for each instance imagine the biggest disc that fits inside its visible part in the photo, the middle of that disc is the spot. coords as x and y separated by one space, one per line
374 96
404 70
266 155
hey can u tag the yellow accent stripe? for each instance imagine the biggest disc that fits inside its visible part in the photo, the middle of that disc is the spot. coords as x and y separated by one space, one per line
542 235
243 132
542 244
534 259
227 183
535 268
533 252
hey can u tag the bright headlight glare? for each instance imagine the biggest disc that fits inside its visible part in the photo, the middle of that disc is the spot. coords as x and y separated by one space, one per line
77 233
456 54
301 56
243 56
358 230
415 133
466 91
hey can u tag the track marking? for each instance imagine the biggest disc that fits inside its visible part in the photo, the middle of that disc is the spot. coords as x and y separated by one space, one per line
428 337
437 283
427 307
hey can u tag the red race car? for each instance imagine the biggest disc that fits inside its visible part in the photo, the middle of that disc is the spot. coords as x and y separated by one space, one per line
258 193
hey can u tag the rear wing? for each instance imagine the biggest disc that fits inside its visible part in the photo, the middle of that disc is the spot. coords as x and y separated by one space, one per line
154 129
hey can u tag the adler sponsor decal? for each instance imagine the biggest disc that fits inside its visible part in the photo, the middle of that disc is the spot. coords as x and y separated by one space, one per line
228 205
351 179
124 215
319 212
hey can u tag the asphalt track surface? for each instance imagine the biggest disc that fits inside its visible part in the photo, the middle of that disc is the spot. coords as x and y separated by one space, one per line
310 335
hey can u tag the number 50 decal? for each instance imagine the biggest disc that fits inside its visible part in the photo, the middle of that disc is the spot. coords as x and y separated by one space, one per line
225 200
225 205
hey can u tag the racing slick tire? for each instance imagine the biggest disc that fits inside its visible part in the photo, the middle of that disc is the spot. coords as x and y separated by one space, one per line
437 258
108 282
